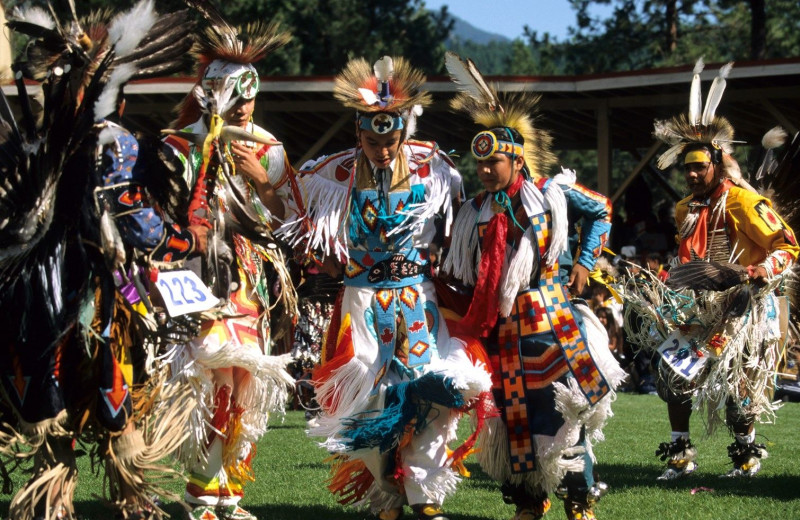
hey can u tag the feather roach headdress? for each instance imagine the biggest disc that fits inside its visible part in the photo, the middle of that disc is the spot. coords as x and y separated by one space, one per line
225 55
701 125
516 111
48 168
384 95
102 48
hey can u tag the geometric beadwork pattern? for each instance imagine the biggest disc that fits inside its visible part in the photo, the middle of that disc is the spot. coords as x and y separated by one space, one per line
419 348
543 313
559 312
353 269
514 403
370 214
542 371
409 296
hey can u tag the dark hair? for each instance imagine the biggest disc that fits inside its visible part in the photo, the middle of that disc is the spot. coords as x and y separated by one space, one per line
655 256
508 133
611 321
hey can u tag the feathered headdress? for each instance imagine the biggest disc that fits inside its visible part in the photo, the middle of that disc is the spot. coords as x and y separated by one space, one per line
700 125
225 55
102 48
517 111
385 95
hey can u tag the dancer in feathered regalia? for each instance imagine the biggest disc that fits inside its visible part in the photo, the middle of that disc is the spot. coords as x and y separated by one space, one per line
75 216
233 167
716 323
393 379
553 375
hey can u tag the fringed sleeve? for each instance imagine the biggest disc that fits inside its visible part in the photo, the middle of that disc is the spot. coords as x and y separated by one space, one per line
441 182
317 223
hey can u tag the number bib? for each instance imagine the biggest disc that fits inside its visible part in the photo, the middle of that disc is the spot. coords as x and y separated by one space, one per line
678 353
183 292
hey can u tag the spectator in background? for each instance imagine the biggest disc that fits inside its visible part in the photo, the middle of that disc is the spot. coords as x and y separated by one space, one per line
666 227
606 317
655 264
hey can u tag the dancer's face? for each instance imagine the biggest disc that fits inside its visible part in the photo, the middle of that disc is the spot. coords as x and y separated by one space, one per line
380 149
239 114
498 171
701 176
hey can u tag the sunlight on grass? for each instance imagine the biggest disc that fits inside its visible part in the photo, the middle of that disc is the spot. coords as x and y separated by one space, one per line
291 476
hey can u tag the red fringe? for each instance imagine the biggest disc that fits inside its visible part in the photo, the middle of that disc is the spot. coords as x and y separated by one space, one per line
482 314
485 408
349 480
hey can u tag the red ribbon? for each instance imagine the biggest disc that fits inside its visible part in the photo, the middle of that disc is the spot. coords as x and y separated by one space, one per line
697 241
482 314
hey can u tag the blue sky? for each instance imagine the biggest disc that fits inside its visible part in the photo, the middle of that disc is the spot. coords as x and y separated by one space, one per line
508 17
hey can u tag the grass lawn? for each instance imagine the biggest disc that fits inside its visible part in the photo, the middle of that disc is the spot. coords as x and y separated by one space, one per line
291 476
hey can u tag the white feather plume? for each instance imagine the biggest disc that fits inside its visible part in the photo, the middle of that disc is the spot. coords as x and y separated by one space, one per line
34 15
107 101
696 95
369 97
468 79
200 96
384 69
411 124
715 94
774 138
128 28
668 158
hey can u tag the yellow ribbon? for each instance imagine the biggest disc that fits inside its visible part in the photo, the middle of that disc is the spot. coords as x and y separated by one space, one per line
214 129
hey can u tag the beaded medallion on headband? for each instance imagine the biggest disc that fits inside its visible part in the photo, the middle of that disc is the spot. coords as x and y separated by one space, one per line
226 55
517 111
701 126
384 95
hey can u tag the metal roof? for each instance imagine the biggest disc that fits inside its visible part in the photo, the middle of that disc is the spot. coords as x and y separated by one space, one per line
612 111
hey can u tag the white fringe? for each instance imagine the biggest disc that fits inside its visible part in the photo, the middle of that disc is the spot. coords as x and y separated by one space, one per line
597 339
559 230
265 393
376 499
348 388
737 370
566 177
461 261
470 379
437 198
438 484
326 212
555 456
518 274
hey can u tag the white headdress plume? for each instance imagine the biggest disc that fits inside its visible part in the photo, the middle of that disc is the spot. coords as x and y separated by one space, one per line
696 95
698 125
715 94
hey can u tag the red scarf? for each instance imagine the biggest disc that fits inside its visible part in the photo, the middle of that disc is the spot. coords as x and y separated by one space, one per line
482 314
697 241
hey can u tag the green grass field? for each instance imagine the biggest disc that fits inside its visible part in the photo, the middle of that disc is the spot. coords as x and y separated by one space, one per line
291 476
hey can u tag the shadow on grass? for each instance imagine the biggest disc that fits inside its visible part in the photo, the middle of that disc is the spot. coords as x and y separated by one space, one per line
778 487
96 510
294 512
